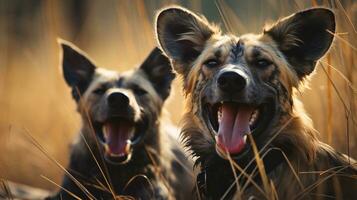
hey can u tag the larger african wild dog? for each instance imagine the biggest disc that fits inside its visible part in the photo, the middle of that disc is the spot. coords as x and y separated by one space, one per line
121 120
238 87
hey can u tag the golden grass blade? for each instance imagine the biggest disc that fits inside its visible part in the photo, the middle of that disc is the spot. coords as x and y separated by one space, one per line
235 176
249 177
101 186
158 170
261 167
231 21
97 144
292 169
349 83
198 194
348 113
7 191
346 14
224 17
276 134
249 180
318 182
342 40
271 139
64 189
338 94
329 101
122 197
97 163
274 192
43 150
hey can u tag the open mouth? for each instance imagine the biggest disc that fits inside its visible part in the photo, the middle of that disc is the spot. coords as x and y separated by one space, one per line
118 135
231 122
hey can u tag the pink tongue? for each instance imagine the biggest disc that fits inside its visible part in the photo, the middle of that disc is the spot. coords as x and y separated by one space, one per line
233 126
117 135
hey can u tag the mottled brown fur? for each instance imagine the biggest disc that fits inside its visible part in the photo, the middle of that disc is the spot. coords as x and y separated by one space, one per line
292 47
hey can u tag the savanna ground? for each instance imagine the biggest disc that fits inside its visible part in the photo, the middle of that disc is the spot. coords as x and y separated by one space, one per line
118 34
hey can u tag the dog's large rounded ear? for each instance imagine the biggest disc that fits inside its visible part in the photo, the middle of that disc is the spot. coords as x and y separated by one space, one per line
158 69
78 70
182 35
304 37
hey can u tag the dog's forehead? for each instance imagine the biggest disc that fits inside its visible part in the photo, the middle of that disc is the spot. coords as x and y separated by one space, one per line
123 79
136 77
231 46
133 76
104 76
252 46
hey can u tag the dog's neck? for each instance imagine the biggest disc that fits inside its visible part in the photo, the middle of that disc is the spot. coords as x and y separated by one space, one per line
295 130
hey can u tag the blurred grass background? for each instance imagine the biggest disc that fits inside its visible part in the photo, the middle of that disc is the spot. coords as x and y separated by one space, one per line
118 34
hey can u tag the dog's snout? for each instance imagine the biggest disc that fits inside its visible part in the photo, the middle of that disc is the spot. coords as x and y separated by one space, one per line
231 81
116 99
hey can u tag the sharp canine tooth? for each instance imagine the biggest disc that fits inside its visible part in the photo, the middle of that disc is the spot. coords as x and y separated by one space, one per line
127 147
219 114
106 148
131 134
105 133
245 138
254 117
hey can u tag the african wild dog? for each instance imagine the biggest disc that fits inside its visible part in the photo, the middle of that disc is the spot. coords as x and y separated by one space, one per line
243 87
121 120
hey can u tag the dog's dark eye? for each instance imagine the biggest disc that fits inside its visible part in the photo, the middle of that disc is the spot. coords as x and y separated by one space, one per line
262 63
139 91
100 90
211 63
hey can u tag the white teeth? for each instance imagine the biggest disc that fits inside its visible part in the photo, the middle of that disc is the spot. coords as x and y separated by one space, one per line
117 155
245 138
127 147
106 147
219 114
105 133
131 134
254 117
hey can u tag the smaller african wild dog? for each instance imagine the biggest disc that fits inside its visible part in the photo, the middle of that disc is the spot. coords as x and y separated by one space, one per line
244 87
121 120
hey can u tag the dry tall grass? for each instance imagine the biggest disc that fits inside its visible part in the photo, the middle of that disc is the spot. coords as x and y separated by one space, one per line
118 35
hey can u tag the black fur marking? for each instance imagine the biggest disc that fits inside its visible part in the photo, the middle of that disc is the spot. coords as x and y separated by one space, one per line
309 29
78 70
256 52
218 54
120 81
158 69
237 51
274 75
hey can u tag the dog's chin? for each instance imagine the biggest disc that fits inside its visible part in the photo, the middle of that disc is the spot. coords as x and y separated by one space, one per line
231 122
117 159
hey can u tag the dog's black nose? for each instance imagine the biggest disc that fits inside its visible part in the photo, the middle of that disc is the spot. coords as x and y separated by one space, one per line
231 81
116 99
